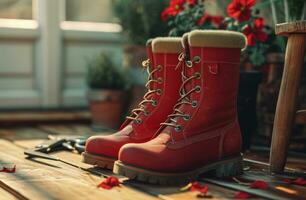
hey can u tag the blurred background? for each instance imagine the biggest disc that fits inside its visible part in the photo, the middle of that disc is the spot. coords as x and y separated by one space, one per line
59 55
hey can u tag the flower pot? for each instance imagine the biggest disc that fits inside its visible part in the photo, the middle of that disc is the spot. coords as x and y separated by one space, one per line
106 108
247 98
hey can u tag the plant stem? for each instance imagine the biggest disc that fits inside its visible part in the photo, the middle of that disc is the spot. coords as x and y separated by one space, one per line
286 10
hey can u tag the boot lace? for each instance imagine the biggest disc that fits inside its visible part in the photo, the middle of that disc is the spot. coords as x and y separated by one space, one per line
135 113
184 94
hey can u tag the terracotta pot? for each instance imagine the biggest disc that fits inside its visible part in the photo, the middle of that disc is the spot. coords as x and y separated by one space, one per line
106 107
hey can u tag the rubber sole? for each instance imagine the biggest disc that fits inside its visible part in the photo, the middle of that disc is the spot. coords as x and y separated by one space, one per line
99 161
225 168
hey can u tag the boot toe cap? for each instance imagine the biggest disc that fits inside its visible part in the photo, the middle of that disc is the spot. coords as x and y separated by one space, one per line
103 145
143 156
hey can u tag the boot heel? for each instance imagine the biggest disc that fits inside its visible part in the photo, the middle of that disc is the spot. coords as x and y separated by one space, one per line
229 169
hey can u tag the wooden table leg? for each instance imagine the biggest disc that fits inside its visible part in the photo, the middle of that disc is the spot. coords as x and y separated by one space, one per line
286 104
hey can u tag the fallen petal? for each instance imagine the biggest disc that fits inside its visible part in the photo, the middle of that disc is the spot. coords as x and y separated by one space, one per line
300 181
259 185
196 186
243 195
8 170
109 183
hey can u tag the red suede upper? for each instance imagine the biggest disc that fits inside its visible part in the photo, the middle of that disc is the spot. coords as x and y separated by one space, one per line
141 132
213 131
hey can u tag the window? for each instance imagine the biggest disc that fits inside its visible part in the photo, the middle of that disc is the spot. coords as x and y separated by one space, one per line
16 9
89 11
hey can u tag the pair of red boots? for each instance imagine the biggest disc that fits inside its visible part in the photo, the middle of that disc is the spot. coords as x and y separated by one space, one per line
187 123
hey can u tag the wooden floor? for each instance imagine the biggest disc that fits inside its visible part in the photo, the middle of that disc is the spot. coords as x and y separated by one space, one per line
46 179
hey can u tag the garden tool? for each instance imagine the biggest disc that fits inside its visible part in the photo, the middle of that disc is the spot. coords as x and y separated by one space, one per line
163 85
202 134
58 143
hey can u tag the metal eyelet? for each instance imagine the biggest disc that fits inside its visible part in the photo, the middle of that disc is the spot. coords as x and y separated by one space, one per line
178 128
196 59
197 75
198 88
160 80
159 91
159 67
194 104
189 64
138 121
146 113
154 103
187 117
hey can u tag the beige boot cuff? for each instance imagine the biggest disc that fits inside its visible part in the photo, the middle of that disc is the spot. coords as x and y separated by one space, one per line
216 38
167 45
149 42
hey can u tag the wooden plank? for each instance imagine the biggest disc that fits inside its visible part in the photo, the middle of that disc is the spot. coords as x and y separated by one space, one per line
22 133
162 192
43 116
6 195
54 180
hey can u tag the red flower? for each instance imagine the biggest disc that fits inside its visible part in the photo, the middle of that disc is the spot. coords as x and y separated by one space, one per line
109 183
174 8
240 9
256 32
8 170
259 185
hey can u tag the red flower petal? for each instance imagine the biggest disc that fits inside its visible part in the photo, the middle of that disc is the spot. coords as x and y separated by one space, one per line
250 3
240 9
203 19
196 186
109 183
8 170
259 185
259 23
243 195
217 19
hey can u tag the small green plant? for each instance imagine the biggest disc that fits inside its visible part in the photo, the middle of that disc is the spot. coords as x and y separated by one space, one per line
103 74
140 19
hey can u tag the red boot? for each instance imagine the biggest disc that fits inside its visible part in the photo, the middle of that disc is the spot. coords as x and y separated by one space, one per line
163 91
202 134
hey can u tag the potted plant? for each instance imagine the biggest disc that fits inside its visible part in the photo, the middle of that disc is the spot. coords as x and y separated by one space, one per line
106 92
140 21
